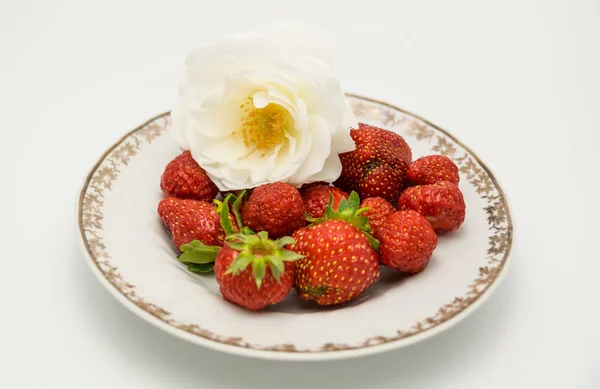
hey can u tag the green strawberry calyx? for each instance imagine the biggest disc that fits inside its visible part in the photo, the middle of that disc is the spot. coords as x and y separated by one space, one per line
222 208
260 251
349 211
198 257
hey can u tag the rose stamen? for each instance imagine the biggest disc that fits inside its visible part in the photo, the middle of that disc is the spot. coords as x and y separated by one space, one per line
263 128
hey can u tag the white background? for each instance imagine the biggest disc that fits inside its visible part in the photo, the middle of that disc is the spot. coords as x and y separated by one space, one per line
517 81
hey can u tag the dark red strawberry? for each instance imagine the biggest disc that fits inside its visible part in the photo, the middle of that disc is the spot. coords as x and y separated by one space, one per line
431 169
441 203
190 220
378 165
254 272
276 208
378 210
407 241
184 178
317 197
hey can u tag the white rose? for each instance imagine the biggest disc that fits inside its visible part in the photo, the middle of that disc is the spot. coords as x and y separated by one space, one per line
264 107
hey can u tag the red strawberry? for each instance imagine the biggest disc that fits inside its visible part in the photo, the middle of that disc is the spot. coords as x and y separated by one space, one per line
431 169
317 197
253 271
190 220
276 208
339 265
341 261
407 242
184 178
378 165
441 203
304 187
378 209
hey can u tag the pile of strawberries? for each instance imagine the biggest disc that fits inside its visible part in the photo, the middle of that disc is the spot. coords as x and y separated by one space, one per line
321 239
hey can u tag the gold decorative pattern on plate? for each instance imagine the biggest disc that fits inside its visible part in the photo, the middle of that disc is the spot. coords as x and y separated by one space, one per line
472 170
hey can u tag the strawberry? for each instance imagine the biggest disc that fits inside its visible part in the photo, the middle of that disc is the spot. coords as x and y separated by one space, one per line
431 169
340 260
441 203
407 241
317 197
253 271
200 253
378 165
184 178
191 220
377 210
276 208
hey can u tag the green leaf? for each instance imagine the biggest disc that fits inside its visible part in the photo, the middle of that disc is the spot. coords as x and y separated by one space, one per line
277 262
286 240
239 246
372 241
361 211
258 268
200 267
276 271
240 263
288 255
263 235
342 207
353 201
223 211
198 252
247 239
236 209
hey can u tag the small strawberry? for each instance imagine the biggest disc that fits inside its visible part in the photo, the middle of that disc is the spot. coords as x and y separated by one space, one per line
317 197
184 178
276 208
198 256
378 209
441 203
190 220
378 165
253 271
340 261
431 169
407 241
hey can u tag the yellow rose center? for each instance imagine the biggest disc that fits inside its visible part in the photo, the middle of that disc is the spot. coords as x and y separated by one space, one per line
263 128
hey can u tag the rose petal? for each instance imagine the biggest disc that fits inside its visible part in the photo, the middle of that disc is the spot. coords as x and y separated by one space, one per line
319 151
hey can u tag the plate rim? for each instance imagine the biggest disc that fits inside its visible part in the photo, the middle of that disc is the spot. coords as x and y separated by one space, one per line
331 354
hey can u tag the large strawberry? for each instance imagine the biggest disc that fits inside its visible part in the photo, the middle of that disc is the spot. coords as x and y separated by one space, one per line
378 165
377 210
317 197
441 203
184 178
340 260
431 169
276 208
190 220
407 241
253 271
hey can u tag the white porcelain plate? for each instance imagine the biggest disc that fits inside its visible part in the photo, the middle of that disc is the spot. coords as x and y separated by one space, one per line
131 253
